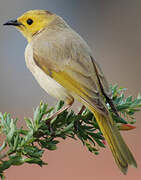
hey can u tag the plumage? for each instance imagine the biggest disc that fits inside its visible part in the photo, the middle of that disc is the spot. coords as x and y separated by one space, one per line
62 54
67 53
64 66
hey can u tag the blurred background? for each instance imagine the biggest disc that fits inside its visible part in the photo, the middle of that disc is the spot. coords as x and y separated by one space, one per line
113 31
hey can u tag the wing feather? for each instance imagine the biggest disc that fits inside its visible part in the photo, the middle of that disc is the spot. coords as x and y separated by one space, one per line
68 59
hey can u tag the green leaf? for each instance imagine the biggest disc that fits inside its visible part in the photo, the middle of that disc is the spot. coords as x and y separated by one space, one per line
16 160
67 128
59 105
11 131
5 165
51 146
21 145
3 146
99 143
35 161
2 176
29 123
33 151
129 99
16 142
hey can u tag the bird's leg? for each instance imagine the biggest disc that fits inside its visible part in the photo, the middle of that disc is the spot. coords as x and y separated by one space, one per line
80 113
81 110
69 103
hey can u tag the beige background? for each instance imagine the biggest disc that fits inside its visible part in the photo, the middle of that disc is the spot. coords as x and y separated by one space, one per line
113 30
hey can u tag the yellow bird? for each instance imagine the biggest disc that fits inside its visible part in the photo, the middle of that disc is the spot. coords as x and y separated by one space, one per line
64 66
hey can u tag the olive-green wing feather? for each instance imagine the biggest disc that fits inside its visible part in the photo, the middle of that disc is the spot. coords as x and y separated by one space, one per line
67 58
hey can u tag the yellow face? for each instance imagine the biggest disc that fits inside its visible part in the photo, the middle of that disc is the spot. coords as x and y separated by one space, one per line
31 22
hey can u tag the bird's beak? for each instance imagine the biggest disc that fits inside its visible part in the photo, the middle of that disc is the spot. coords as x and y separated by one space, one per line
12 23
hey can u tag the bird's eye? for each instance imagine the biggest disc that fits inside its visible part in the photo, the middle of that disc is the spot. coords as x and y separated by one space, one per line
29 21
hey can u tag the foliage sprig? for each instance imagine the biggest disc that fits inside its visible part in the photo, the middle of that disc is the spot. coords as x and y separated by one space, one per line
27 145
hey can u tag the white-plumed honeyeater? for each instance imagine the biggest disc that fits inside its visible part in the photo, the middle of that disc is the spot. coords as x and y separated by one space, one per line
64 66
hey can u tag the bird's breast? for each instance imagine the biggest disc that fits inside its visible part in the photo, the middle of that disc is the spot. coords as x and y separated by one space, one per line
46 82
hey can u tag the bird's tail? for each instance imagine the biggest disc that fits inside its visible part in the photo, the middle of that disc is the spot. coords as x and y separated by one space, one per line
120 150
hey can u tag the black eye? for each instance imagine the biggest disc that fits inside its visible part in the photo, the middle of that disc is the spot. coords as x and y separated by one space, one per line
29 21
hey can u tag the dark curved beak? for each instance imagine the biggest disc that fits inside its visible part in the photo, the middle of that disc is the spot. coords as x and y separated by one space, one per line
12 23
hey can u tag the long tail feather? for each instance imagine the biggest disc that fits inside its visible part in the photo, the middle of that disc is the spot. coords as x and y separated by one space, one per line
122 155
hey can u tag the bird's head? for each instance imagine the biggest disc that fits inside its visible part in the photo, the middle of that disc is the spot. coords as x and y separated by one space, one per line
32 22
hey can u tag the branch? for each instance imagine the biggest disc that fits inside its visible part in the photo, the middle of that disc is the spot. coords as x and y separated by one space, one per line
28 145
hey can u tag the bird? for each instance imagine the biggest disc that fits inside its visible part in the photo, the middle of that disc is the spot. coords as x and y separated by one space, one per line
64 66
